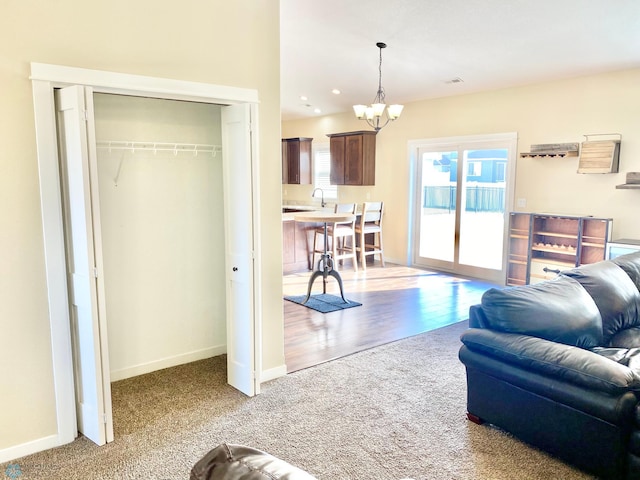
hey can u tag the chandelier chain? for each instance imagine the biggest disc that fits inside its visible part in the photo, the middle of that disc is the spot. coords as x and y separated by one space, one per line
380 95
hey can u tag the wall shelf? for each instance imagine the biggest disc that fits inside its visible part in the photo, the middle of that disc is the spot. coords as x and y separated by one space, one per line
602 156
552 150
633 181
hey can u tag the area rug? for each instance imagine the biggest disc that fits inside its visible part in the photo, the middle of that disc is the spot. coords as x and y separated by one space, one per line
323 302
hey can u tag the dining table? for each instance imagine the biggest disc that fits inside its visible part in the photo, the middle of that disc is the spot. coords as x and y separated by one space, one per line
325 264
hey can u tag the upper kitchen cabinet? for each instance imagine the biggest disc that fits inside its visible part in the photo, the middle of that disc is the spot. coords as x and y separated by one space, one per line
353 158
296 160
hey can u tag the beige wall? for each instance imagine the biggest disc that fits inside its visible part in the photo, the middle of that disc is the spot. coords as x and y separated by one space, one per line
219 42
554 112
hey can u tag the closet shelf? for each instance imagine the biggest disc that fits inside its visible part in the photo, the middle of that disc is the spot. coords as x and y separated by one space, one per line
193 148
133 147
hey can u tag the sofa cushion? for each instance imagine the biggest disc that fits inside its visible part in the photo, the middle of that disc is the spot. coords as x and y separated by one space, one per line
629 357
627 338
615 294
630 263
237 462
559 310
604 370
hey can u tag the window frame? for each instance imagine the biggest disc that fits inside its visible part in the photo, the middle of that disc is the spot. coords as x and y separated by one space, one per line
321 170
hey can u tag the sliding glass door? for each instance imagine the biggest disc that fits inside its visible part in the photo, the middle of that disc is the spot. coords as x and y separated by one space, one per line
463 195
437 205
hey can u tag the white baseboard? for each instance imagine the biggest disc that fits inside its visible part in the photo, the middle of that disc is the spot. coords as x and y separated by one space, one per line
24 449
394 261
273 373
167 362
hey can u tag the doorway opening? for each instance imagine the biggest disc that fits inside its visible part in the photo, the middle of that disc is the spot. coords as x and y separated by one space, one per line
463 193
239 106
162 225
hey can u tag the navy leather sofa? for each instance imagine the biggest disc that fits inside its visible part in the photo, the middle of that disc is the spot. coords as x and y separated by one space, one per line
557 364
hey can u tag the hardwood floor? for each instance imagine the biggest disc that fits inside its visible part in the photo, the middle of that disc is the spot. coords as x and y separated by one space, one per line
397 302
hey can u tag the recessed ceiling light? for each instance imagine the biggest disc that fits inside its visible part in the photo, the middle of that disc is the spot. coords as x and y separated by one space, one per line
317 110
335 91
303 98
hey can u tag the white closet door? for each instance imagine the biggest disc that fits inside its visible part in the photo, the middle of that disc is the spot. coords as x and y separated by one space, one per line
238 201
84 263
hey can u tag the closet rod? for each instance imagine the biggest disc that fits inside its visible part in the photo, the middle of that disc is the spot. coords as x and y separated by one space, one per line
194 148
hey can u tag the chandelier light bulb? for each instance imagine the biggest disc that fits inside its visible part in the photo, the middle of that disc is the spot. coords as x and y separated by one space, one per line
378 109
359 110
394 111
368 113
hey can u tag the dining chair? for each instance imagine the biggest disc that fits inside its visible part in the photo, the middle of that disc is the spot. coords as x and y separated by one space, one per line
370 224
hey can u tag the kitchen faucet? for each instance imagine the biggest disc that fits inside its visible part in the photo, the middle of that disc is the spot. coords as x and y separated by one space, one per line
313 195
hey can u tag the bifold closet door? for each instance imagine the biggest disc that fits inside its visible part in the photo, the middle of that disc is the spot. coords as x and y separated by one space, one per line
242 357
84 262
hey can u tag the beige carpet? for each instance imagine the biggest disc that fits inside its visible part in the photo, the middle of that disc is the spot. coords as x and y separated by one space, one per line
391 412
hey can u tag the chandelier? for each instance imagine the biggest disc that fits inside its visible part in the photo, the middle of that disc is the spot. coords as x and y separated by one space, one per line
373 113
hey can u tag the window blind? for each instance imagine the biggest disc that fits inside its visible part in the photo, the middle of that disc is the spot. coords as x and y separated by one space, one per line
321 171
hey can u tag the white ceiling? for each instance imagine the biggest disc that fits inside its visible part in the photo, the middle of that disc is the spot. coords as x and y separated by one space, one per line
489 44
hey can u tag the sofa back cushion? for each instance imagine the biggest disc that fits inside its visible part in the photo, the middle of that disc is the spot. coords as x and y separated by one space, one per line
615 294
627 338
630 263
559 310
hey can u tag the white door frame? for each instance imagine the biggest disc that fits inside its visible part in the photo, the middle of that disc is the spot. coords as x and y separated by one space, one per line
45 78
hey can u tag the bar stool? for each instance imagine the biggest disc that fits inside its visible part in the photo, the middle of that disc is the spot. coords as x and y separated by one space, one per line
370 223
338 234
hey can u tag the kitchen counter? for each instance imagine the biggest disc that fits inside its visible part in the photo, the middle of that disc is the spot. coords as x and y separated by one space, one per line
289 211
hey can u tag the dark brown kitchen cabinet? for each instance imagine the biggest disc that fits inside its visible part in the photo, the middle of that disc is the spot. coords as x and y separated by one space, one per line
353 158
296 160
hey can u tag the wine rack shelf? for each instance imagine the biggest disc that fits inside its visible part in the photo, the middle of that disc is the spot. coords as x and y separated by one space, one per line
540 245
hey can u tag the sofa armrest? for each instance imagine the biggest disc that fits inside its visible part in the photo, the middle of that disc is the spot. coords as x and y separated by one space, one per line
564 362
229 462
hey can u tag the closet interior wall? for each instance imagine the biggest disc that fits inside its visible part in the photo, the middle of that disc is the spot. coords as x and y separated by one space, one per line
161 213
